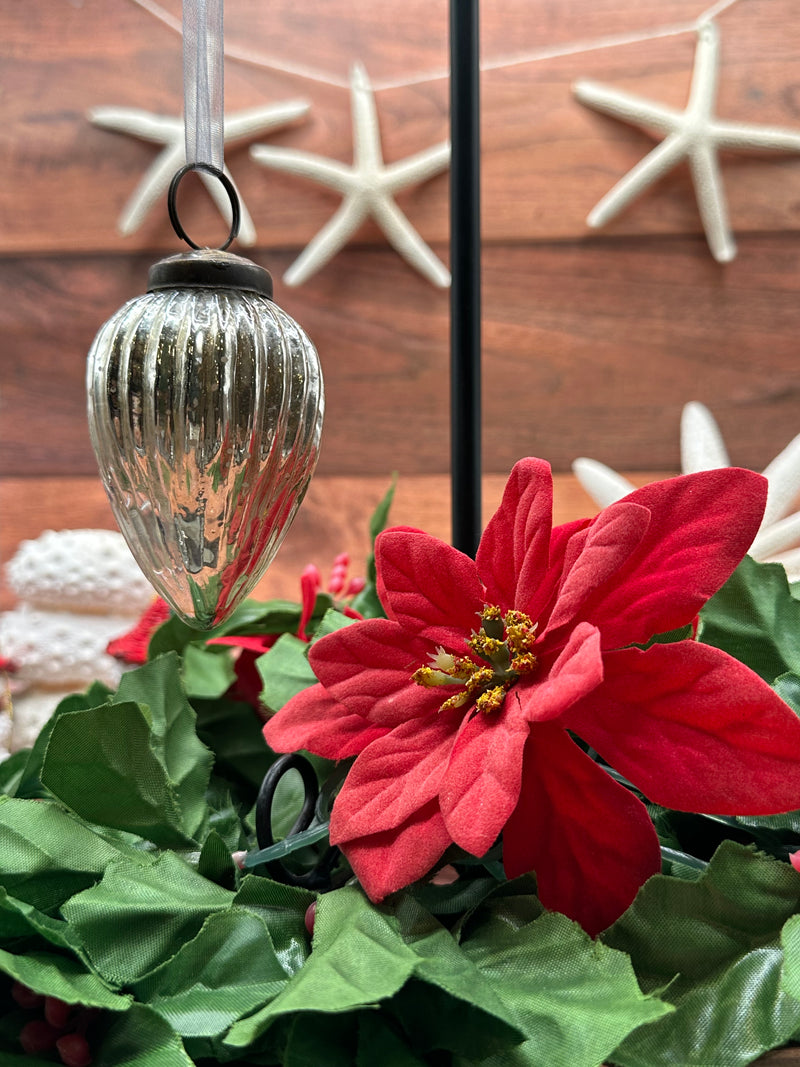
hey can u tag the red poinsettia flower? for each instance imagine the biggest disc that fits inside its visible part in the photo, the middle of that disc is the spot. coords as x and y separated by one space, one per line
464 705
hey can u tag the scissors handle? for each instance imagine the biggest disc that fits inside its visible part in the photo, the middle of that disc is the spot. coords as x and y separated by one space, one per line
319 876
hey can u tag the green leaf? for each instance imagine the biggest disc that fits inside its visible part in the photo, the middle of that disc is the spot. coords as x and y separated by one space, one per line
48 854
139 1038
100 763
755 619
215 861
364 955
712 946
21 921
138 917
367 602
187 761
233 731
448 1003
331 621
379 1043
30 784
62 977
283 909
358 959
207 673
227 970
574 998
12 770
285 671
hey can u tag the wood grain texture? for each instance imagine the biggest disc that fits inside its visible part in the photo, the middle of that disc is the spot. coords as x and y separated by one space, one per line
546 159
334 517
589 349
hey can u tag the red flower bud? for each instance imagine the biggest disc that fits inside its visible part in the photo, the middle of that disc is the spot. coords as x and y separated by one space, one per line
56 1012
37 1036
74 1050
26 998
311 915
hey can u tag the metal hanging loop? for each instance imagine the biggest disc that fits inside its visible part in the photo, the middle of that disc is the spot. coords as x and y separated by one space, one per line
228 186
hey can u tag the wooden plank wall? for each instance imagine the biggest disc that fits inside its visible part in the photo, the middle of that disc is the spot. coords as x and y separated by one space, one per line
593 341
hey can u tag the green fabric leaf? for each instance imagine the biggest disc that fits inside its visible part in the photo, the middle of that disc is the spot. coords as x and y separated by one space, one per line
139 1038
12 770
363 955
449 1004
367 602
358 959
207 673
187 761
285 671
317 1040
233 731
228 970
215 861
62 977
283 909
378 1043
755 618
164 904
790 942
48 854
30 784
20 920
713 946
331 621
101 764
574 998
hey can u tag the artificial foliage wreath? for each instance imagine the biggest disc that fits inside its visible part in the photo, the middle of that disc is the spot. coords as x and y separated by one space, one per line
558 839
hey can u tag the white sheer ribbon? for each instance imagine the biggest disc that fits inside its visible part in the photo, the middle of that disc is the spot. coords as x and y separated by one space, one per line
203 97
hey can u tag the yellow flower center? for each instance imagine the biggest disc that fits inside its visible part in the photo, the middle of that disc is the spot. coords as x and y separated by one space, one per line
503 649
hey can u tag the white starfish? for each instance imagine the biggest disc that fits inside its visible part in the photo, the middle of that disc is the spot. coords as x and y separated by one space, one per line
368 188
169 132
694 134
702 448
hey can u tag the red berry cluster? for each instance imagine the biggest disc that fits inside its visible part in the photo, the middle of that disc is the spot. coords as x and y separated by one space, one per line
61 1028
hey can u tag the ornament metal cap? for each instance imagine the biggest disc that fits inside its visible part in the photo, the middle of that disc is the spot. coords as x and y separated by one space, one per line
209 268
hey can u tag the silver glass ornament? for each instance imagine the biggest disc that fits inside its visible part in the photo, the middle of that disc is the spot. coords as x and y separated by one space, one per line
205 412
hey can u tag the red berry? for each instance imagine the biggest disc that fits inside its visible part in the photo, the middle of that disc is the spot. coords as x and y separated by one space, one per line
57 1012
26 998
311 915
74 1050
37 1036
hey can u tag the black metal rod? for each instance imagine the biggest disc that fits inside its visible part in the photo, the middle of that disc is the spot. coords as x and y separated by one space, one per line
465 266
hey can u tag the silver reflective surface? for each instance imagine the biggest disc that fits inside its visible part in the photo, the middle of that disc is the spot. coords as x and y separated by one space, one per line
205 412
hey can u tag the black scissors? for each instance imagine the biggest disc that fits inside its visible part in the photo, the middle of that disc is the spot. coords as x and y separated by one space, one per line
318 876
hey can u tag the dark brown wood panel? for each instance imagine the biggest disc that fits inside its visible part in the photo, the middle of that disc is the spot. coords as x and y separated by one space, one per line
590 349
546 159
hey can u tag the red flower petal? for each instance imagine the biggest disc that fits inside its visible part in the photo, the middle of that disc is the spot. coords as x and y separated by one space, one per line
312 720
589 840
131 647
482 783
695 730
700 528
428 587
388 861
513 554
258 643
577 671
598 553
368 667
392 779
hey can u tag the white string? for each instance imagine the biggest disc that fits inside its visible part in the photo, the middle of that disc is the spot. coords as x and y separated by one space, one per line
261 59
